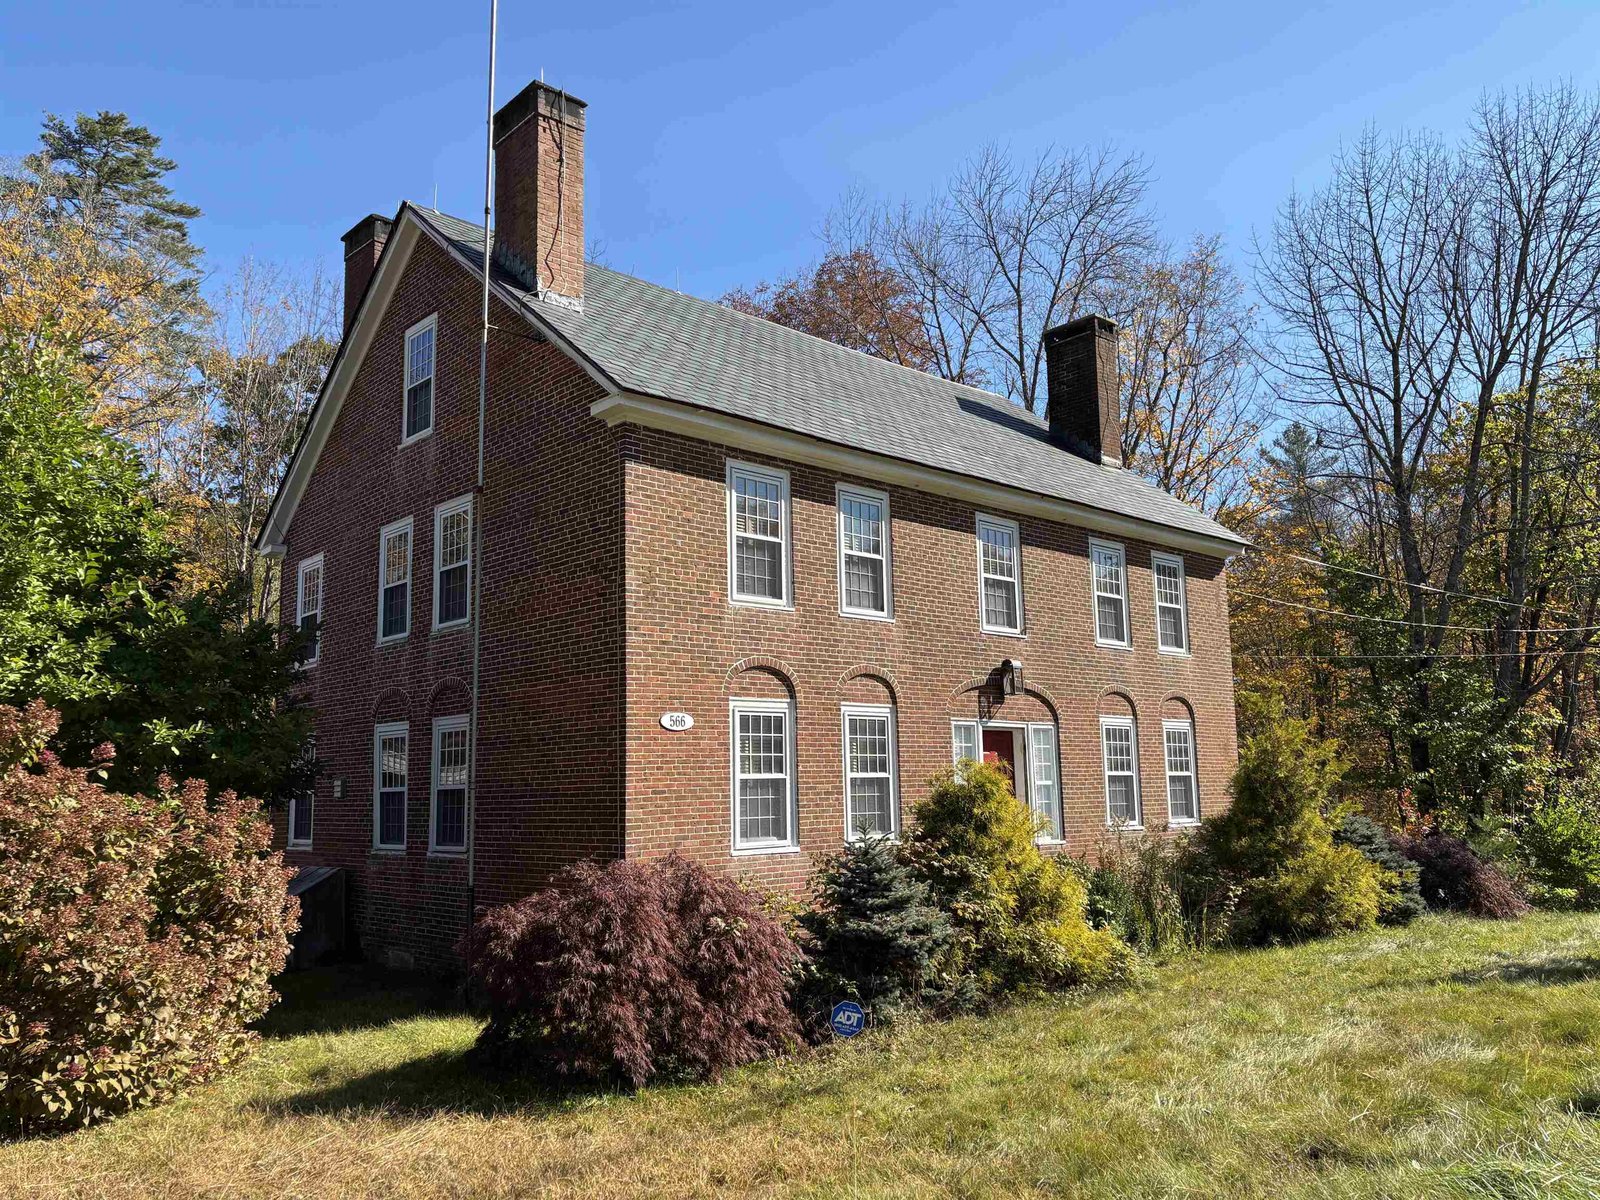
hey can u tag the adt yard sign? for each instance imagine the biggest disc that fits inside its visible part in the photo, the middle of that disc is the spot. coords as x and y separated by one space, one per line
848 1019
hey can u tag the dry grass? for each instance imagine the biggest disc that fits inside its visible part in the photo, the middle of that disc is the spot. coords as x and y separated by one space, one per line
1454 1059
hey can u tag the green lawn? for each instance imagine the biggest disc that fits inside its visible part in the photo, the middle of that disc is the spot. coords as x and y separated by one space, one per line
1457 1058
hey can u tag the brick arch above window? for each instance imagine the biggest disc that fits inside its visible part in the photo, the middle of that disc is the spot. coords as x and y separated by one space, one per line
865 684
762 673
391 704
1175 708
1116 703
449 696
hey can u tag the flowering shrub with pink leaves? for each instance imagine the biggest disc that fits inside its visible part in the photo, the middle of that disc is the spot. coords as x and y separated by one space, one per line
137 934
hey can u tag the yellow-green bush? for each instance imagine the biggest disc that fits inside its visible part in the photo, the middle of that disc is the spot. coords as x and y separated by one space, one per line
1018 915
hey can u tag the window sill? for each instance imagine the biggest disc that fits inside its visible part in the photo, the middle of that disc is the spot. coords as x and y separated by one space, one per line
768 605
1113 645
434 853
1125 826
1168 652
297 845
416 437
451 626
867 616
1184 823
394 640
1010 633
759 851
388 852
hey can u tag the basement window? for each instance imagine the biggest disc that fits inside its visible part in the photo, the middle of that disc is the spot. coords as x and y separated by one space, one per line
419 379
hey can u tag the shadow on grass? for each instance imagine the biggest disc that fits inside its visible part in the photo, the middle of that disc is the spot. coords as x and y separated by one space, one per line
349 997
1560 969
444 1082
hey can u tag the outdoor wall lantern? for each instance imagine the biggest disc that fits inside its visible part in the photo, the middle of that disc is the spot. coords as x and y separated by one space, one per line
1011 677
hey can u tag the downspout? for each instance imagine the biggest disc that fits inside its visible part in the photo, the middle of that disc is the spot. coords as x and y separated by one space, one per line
477 494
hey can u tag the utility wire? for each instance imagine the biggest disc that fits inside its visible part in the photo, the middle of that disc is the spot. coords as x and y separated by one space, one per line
1334 612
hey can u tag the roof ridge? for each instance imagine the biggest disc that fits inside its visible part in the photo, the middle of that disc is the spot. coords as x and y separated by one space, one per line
832 346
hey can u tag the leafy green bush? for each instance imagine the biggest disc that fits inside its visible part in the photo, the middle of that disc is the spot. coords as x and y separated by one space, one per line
1138 889
137 935
874 935
1401 901
1455 878
1018 916
1274 845
627 970
1561 845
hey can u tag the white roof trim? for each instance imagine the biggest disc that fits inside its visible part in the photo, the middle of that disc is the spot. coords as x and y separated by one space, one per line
706 425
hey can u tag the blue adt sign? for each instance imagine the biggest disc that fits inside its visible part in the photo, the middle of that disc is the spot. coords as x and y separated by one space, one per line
848 1019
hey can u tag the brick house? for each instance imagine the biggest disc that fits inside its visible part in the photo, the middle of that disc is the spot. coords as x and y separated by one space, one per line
725 588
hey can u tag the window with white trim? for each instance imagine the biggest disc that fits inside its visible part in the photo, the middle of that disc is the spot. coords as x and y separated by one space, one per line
1044 780
1109 568
999 575
303 802
865 578
758 535
1172 616
390 766
420 340
452 563
308 609
448 820
1183 796
1119 749
394 581
763 774
963 741
870 795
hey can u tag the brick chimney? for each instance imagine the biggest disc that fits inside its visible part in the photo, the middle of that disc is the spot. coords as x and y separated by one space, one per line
538 191
1080 360
362 245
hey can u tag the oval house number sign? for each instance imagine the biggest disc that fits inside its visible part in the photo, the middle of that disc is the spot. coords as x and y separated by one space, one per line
677 721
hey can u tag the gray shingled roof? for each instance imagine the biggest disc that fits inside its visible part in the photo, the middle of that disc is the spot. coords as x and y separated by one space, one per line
661 343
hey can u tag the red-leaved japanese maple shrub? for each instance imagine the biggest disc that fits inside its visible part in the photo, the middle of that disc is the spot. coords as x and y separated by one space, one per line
626 970
1454 877
137 935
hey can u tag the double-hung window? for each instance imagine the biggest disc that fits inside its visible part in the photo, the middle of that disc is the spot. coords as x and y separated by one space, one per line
394 581
999 575
452 563
869 771
758 535
1044 779
390 752
1119 748
1172 623
1183 797
420 340
865 579
1109 567
448 826
763 775
303 801
308 609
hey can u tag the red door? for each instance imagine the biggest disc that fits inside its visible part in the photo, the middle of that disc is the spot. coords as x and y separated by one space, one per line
998 747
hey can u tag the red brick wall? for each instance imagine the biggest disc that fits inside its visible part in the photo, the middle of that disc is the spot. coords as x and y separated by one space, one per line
552 571
689 649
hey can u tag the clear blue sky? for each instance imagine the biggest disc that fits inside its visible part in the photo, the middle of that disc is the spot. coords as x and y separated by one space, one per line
721 133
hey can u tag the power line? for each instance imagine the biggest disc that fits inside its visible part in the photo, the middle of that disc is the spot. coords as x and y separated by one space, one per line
1412 654
1334 612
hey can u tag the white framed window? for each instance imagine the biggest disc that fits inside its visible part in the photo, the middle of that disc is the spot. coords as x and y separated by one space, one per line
447 820
419 388
308 608
1108 565
871 794
963 742
764 815
394 581
866 578
391 745
1183 793
1172 603
452 563
1044 780
999 575
302 804
758 535
1119 750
